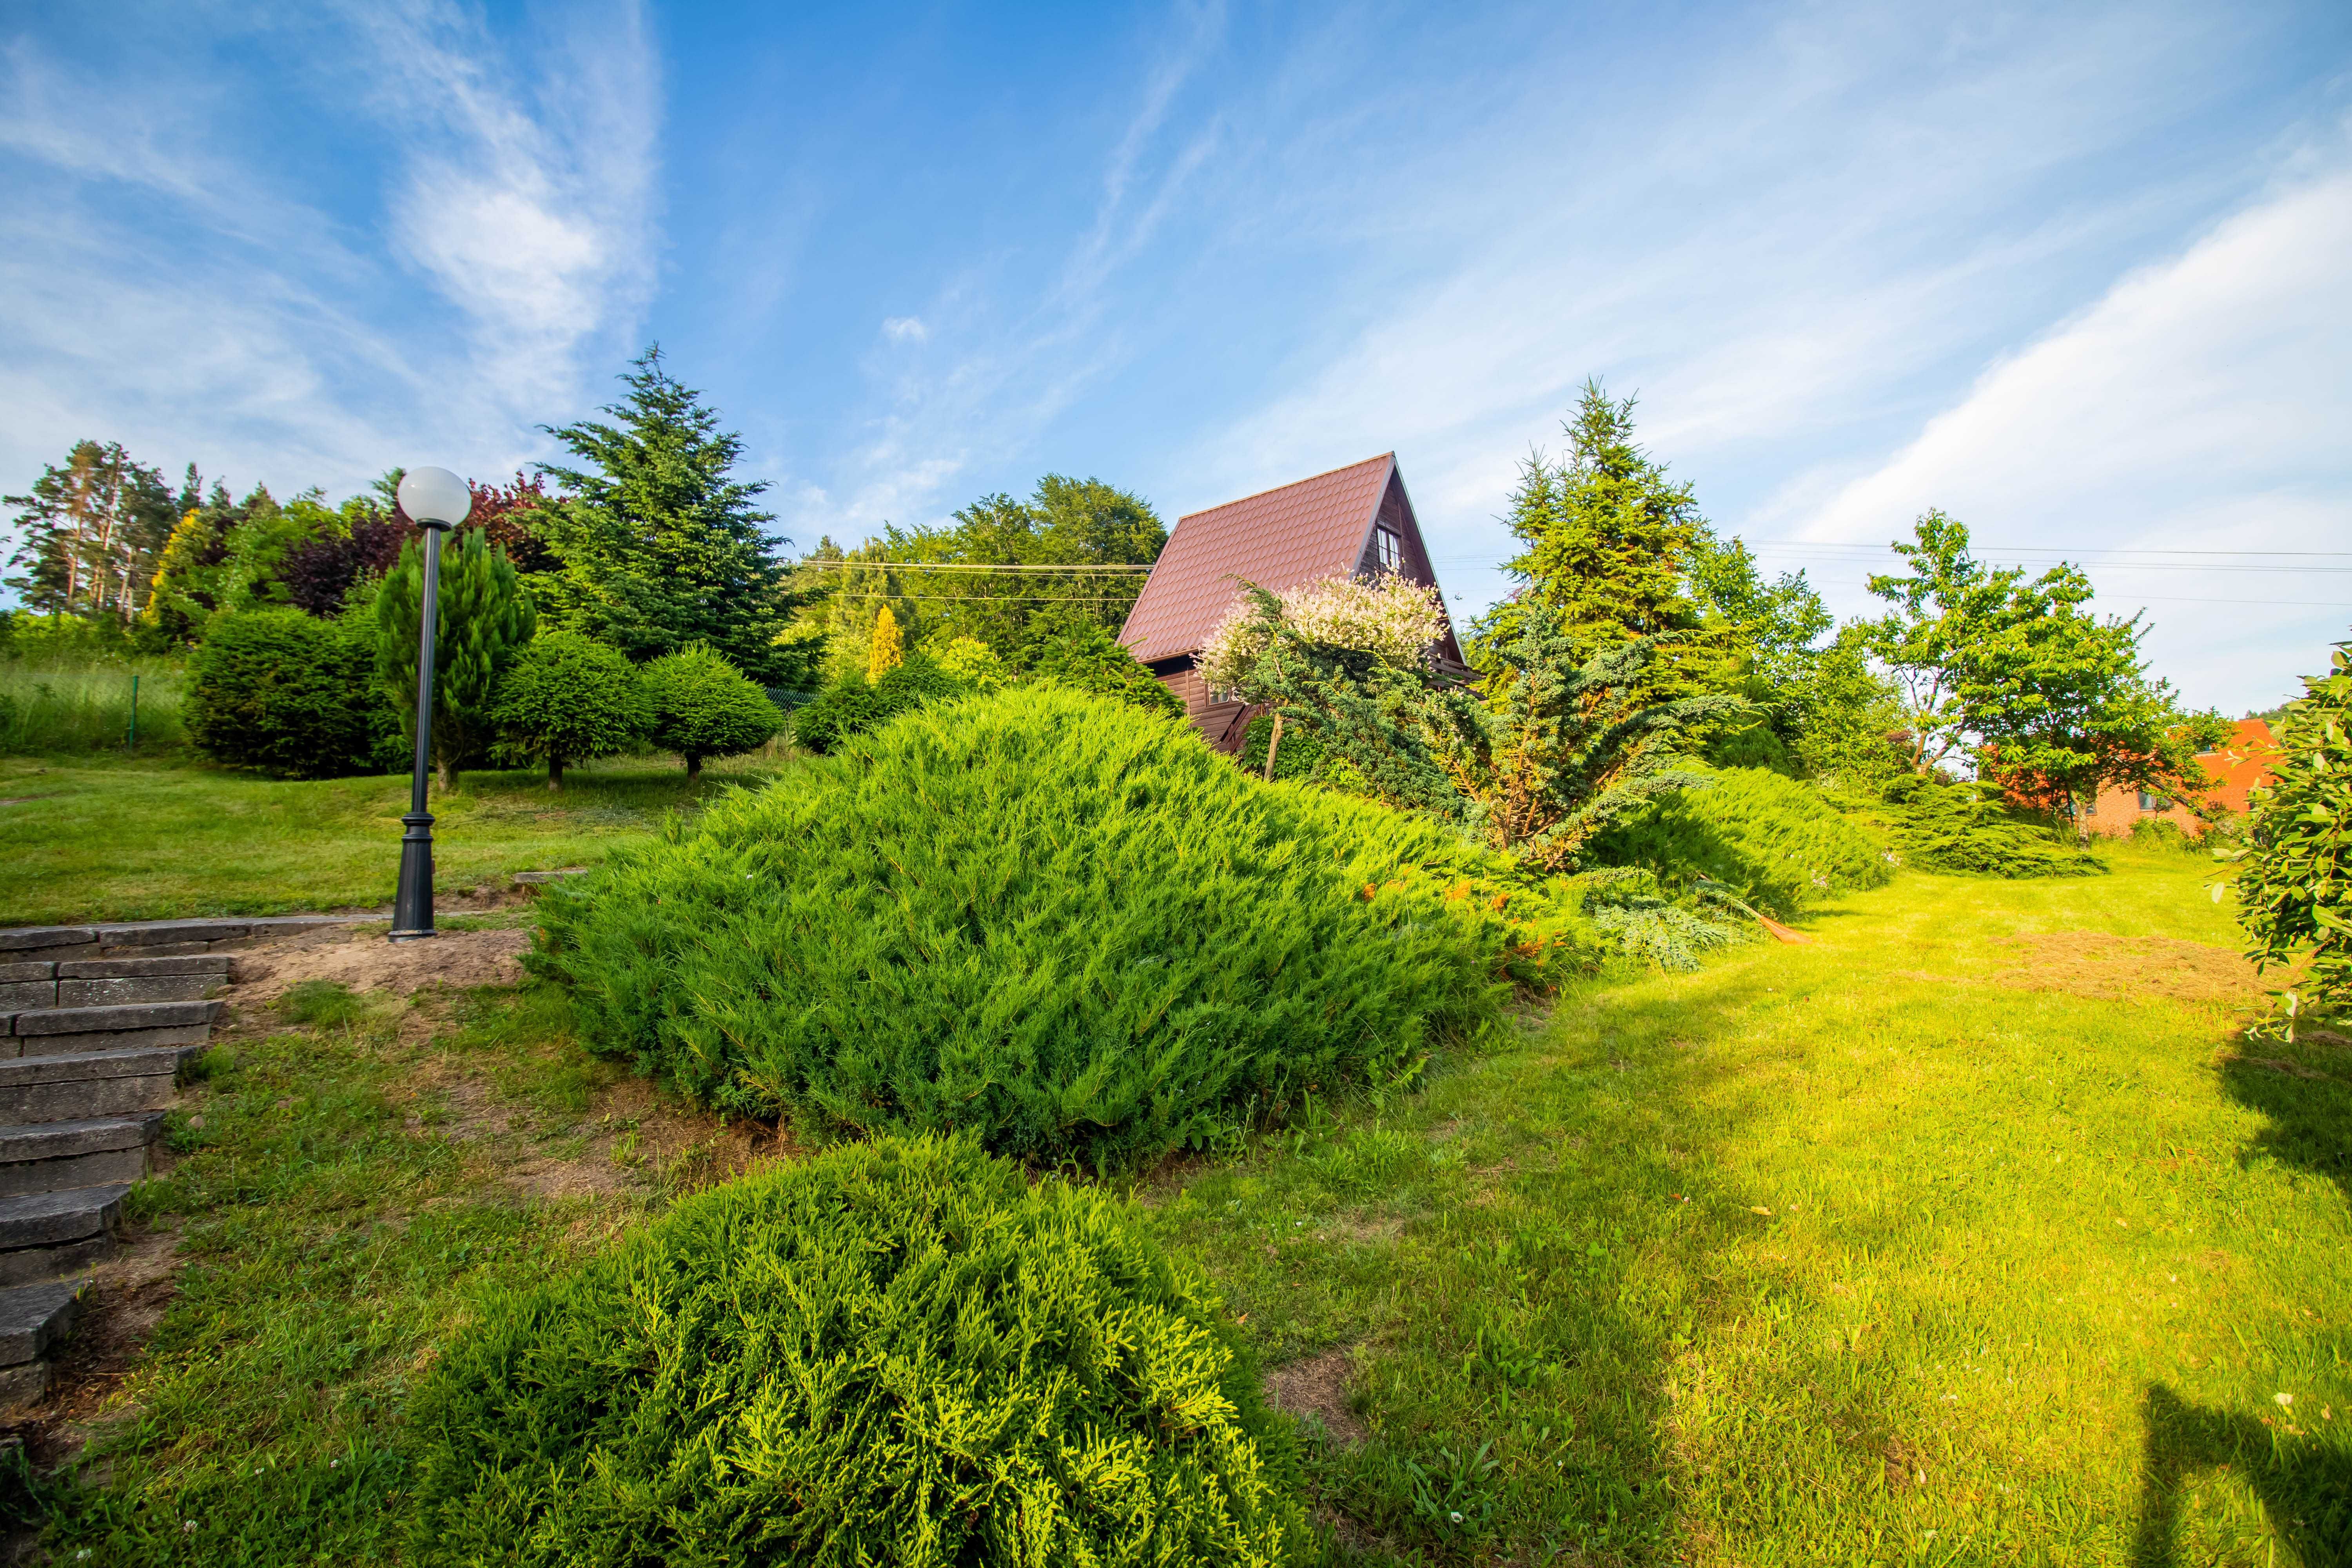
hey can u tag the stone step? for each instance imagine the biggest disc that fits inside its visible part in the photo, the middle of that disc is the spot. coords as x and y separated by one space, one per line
48 1235
51 1156
53 1031
160 938
32 1319
104 981
90 1083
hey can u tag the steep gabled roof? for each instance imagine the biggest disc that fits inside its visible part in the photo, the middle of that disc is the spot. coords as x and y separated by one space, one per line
1276 539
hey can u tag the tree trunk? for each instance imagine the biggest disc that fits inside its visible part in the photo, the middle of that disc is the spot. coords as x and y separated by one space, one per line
693 768
445 768
555 771
1272 744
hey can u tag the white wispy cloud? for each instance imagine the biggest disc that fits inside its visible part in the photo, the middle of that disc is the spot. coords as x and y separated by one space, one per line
905 328
165 285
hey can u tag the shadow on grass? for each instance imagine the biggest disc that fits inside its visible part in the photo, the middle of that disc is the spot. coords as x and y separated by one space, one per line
2305 1483
2306 1090
1521 1387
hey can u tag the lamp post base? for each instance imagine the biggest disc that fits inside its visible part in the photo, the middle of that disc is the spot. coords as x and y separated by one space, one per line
412 907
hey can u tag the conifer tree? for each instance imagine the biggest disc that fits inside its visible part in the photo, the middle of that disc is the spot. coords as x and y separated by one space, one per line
88 533
659 547
485 619
1610 543
886 647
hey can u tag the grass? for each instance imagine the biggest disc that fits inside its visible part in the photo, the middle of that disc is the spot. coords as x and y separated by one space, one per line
1842 1253
91 837
351 1174
1860 1251
75 707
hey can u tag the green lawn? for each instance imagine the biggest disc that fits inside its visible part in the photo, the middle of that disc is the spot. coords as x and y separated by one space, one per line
91 839
1852 1252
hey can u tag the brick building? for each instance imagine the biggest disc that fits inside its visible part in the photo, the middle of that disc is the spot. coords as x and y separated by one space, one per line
2240 765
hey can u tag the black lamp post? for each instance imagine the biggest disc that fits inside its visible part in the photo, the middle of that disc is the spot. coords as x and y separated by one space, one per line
437 500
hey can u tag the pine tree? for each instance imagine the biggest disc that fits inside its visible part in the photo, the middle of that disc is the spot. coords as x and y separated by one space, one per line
484 620
886 649
90 530
658 547
1610 543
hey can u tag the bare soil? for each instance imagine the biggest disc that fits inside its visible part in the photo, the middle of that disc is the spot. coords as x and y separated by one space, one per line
1318 1386
2129 968
458 959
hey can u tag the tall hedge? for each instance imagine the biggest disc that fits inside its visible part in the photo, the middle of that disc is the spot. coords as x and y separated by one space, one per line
289 693
894 1353
1052 919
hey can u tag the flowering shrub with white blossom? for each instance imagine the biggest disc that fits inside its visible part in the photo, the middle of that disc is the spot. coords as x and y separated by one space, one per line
1392 619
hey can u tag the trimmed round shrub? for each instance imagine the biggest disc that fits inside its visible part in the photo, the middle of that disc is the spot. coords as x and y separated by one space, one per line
1772 840
288 693
899 1353
568 700
853 705
704 707
1051 920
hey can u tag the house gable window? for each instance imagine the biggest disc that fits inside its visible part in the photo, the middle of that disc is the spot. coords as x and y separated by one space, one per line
2154 802
1390 550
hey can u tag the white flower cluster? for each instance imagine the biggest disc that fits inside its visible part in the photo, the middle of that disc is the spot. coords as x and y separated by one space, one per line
1388 617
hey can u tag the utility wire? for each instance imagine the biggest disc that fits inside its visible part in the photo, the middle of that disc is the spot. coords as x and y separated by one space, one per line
845 566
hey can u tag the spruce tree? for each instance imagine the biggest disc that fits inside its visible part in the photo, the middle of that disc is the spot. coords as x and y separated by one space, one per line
885 648
659 547
1610 543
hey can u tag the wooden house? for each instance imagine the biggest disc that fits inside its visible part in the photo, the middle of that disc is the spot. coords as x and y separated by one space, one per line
1352 521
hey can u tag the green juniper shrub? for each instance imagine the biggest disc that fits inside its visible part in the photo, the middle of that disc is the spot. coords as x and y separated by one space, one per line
704 707
288 693
1950 825
853 705
1049 919
1772 841
895 1353
1632 910
568 700
1083 656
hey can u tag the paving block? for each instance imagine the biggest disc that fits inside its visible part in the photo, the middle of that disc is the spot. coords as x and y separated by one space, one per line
55 1220
34 1317
144 933
87 1135
70 1087
31 939
192 1037
16 974
127 968
136 988
29 994
117 1018
22 1387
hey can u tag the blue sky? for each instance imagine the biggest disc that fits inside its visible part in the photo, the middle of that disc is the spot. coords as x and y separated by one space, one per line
2080 276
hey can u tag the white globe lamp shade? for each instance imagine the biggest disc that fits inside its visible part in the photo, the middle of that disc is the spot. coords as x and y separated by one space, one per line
434 495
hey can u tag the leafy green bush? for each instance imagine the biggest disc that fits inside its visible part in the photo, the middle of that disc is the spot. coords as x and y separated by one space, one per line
1771 840
853 705
2163 833
289 693
899 1353
2294 881
1300 756
704 707
568 700
1946 824
1049 919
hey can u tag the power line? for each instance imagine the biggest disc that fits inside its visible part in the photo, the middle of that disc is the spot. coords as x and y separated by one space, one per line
845 566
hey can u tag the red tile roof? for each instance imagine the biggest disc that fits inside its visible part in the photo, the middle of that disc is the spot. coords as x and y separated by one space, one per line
1276 539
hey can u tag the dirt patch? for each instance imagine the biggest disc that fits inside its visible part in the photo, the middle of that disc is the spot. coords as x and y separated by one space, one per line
2129 968
1369 1231
1318 1386
128 1296
1906 1465
461 959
